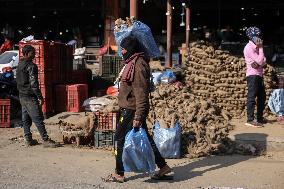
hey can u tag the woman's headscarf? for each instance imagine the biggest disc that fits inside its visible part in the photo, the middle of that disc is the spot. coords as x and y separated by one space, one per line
132 46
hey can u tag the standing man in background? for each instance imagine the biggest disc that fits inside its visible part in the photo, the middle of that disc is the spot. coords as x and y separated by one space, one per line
31 98
255 60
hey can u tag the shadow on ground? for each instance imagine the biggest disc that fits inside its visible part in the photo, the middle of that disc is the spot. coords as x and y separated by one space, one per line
200 166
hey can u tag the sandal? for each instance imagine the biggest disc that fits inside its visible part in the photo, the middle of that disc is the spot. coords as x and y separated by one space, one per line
113 178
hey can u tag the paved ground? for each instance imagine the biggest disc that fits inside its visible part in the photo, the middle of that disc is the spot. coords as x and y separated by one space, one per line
70 167
271 136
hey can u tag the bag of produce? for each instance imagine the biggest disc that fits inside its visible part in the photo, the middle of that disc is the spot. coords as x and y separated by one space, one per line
141 31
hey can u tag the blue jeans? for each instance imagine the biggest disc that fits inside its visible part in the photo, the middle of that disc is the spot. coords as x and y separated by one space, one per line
31 112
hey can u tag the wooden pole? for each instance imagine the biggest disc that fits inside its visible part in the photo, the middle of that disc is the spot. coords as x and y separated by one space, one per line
187 26
169 62
133 8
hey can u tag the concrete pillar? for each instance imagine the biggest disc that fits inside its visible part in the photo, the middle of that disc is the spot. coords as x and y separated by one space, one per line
133 8
169 62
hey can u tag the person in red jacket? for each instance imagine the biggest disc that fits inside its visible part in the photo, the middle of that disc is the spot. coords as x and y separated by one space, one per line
7 45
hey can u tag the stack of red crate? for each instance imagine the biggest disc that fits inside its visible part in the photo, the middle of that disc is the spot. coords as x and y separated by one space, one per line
60 98
81 76
62 61
5 111
106 122
76 94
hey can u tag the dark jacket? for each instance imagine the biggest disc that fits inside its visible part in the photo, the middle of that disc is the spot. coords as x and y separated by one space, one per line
135 95
27 79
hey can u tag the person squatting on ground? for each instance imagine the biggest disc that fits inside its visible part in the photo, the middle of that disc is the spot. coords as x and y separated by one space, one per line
31 98
133 100
255 60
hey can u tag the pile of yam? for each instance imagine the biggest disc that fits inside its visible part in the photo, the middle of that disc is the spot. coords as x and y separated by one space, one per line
204 125
221 77
214 91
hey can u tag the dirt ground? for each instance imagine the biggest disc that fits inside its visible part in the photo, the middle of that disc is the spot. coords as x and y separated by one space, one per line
72 167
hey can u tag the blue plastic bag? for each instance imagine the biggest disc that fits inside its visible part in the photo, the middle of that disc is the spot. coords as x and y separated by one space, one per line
144 35
167 77
276 102
120 35
156 77
168 141
138 155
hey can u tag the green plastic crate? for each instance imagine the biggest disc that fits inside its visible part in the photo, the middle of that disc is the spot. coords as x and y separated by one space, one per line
104 139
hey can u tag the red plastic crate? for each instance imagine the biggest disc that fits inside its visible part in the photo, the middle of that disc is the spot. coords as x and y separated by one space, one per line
41 47
47 107
106 122
45 78
60 98
76 94
42 52
81 76
52 57
5 110
46 90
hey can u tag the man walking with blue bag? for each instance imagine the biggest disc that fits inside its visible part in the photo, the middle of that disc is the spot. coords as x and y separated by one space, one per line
133 100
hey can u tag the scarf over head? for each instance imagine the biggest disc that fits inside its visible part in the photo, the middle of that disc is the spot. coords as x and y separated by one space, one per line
132 46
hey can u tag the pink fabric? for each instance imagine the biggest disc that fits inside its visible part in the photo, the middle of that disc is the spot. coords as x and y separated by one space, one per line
254 54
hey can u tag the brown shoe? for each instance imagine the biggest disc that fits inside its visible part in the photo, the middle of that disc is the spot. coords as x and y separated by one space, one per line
254 124
164 170
161 175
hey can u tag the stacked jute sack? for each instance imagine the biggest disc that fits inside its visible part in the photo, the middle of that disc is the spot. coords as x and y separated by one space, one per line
216 75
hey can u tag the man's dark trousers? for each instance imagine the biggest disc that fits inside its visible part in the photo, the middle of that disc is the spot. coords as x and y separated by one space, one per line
255 90
31 112
124 126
